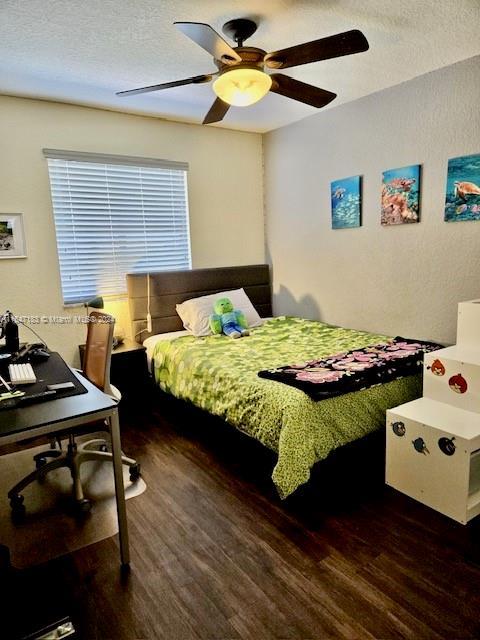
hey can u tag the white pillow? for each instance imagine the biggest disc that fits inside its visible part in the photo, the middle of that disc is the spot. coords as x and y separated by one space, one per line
195 312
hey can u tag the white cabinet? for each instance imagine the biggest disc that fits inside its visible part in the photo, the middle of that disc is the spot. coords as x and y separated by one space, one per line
433 455
468 324
433 443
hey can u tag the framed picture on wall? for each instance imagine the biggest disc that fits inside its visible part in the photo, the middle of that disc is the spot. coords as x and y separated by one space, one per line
12 237
462 199
401 195
345 197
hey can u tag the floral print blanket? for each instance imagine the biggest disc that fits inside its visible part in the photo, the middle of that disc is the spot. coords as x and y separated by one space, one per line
354 370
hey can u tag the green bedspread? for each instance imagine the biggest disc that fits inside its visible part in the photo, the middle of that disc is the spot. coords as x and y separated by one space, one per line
219 374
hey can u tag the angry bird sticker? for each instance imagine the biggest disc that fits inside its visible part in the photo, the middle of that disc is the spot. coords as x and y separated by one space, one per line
398 429
458 383
437 368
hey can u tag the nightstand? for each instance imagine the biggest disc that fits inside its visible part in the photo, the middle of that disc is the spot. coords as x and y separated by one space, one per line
128 370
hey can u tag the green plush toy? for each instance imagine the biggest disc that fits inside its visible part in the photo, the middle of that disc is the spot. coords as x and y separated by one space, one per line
227 320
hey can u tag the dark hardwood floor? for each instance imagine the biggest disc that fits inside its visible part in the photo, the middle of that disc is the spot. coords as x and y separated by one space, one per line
216 555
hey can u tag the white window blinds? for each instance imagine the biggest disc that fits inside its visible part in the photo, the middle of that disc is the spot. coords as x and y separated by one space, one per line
116 215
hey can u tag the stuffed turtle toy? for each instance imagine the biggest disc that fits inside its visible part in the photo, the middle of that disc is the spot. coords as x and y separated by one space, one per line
228 320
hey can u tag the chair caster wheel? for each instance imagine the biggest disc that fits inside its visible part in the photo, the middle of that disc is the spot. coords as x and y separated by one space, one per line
40 462
16 501
135 472
4 559
84 506
17 506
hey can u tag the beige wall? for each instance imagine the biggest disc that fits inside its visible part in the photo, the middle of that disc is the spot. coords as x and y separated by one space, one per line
398 280
224 182
404 280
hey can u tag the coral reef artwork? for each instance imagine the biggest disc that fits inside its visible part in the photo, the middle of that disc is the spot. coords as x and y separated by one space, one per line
462 200
401 195
346 202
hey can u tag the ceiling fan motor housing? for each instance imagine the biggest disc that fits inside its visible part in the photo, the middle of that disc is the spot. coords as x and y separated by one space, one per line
252 58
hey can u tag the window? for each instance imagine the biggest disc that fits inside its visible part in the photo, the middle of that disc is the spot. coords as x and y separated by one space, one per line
116 215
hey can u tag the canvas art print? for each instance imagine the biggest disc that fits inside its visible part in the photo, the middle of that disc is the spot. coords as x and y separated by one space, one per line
6 236
401 195
462 200
346 203
12 241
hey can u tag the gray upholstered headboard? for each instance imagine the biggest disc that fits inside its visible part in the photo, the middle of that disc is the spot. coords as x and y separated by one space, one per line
168 288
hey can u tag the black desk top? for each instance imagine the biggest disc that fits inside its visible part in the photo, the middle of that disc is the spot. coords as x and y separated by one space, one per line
21 419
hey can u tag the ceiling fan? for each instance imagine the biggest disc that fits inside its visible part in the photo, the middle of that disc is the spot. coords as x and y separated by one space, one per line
242 79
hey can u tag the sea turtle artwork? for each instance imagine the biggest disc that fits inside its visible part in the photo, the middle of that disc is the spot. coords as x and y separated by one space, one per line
401 195
462 199
465 189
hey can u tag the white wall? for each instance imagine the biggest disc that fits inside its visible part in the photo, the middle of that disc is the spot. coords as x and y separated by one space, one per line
403 280
224 181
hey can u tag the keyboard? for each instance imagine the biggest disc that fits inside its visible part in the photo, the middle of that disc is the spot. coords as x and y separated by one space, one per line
21 374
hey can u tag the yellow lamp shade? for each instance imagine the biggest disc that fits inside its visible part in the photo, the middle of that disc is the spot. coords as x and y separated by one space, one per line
242 87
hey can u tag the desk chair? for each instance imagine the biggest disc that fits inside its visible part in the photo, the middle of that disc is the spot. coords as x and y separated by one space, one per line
96 368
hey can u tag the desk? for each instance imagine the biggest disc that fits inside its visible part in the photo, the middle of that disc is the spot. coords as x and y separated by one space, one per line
54 416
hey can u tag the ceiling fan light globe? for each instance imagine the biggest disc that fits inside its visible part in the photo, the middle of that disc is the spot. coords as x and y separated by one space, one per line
242 87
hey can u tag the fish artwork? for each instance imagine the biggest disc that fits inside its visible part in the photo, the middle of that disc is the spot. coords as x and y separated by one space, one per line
462 198
345 197
400 197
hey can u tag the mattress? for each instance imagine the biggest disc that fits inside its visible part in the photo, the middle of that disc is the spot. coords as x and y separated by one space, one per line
150 342
220 375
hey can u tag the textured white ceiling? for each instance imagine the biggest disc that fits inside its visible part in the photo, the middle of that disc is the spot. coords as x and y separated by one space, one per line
82 51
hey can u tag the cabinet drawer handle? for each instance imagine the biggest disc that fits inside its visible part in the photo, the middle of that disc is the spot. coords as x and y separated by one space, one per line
420 446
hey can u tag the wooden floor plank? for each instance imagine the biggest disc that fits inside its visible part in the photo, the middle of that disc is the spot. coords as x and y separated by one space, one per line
217 555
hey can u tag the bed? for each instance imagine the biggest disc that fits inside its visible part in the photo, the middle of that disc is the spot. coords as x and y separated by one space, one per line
220 375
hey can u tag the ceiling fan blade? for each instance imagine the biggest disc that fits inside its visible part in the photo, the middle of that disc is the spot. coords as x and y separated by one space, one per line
205 36
307 93
342 44
167 85
217 112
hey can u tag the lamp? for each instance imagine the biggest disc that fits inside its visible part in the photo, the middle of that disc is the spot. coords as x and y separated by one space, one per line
95 303
98 303
243 86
